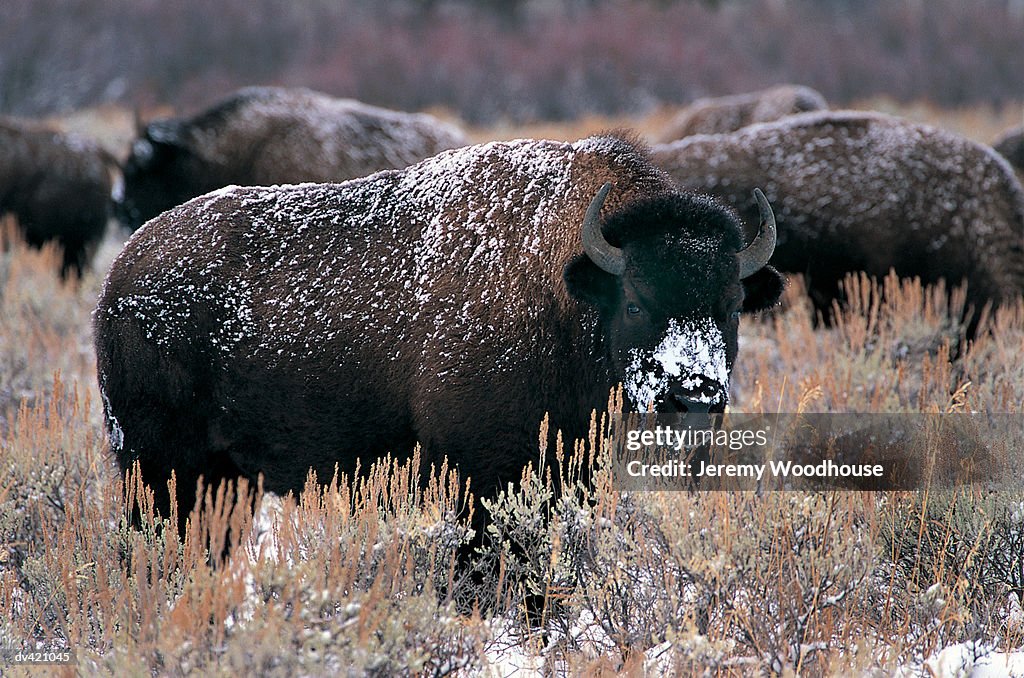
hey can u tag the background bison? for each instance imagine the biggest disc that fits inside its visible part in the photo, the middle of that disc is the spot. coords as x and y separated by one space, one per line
1010 145
270 330
58 188
868 192
728 114
267 135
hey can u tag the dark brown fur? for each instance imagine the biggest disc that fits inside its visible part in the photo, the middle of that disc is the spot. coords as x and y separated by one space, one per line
274 330
867 192
58 188
1010 145
260 136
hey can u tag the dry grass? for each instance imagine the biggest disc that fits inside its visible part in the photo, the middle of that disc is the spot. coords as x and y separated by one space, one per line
888 351
44 326
363 575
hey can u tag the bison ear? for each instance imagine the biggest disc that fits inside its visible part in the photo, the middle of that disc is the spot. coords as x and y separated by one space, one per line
588 283
762 289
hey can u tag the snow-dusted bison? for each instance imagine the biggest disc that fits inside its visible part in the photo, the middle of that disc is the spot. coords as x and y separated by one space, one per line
58 187
267 135
1010 145
452 303
727 114
867 192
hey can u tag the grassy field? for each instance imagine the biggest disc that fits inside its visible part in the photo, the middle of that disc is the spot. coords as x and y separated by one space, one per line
361 576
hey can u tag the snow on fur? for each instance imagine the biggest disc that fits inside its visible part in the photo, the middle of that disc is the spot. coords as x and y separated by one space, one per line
288 229
693 349
321 129
881 191
263 136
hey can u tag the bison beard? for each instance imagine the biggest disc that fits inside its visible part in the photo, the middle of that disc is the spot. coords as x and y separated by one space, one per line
454 303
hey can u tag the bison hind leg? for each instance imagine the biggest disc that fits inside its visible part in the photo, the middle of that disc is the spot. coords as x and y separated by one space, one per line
158 407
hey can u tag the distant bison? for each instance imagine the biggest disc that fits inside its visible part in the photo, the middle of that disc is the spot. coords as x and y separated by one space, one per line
58 188
453 303
867 192
728 114
265 135
1010 145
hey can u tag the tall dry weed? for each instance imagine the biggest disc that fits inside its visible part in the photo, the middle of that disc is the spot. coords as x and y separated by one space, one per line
44 322
895 346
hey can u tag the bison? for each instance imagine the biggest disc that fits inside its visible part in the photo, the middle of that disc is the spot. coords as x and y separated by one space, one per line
270 330
868 192
58 188
1010 145
267 135
728 114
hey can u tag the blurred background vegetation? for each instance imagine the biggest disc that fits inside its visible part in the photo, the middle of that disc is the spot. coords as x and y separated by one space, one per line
506 61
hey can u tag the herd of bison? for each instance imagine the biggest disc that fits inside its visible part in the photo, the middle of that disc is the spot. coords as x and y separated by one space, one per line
311 279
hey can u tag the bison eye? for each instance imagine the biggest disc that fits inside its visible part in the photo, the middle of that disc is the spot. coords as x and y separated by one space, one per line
735 317
632 309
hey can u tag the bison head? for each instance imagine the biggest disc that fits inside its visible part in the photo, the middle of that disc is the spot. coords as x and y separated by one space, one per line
670 293
160 173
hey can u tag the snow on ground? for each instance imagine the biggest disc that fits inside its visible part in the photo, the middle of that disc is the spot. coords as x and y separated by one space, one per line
967 660
970 660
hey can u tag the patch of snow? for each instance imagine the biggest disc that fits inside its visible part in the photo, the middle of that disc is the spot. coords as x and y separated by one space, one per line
691 355
975 660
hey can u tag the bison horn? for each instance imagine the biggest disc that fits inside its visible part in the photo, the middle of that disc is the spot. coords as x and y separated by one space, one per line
754 256
607 257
